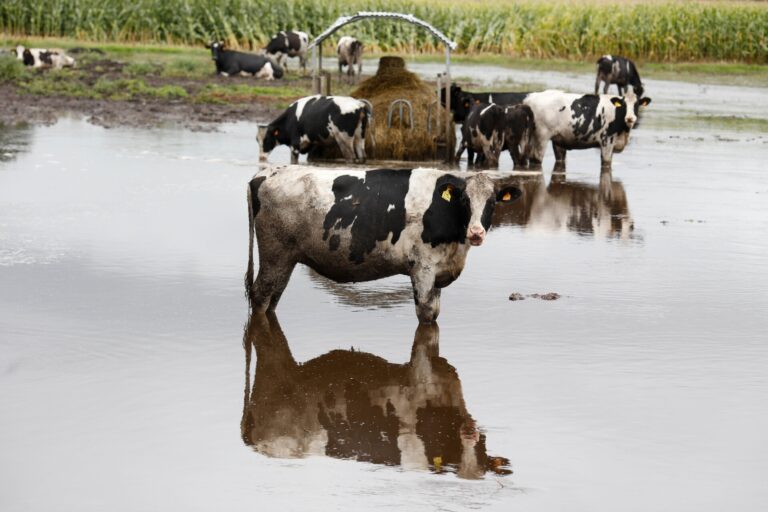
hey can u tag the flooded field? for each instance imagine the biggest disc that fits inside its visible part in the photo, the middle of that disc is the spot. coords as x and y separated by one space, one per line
124 383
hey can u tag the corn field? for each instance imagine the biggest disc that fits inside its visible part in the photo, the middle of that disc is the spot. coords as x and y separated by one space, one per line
675 31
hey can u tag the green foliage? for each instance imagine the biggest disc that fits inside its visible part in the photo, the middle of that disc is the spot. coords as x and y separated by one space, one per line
11 68
657 31
243 93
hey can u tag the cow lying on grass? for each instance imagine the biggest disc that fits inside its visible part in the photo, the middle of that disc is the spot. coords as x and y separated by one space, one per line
43 58
353 226
229 63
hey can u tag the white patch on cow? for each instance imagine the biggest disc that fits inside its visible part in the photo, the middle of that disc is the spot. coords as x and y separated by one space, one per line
266 72
300 104
390 207
347 104
482 112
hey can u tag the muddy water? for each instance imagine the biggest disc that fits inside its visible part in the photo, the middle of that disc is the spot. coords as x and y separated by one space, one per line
124 383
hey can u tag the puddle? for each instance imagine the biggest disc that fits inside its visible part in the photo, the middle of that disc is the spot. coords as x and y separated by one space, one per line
122 379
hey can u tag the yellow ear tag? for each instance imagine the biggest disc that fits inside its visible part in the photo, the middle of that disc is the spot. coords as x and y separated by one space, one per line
616 103
506 197
438 462
447 193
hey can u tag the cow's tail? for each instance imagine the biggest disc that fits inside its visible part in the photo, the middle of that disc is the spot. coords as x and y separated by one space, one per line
251 229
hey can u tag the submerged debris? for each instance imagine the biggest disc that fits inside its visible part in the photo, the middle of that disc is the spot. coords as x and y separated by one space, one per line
517 296
542 296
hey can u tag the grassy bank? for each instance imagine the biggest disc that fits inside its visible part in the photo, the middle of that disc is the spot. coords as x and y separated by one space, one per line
654 31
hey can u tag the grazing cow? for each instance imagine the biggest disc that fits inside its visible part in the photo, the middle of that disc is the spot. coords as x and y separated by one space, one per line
320 120
620 71
350 52
463 101
43 58
289 44
352 226
574 121
350 404
483 132
230 63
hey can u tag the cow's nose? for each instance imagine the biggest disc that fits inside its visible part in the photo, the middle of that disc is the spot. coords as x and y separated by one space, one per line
476 235
631 121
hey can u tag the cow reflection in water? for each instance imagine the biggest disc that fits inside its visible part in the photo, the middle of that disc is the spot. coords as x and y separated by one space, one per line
351 404
580 207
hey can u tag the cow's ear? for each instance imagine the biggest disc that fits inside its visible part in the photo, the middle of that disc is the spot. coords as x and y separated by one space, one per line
508 194
645 102
617 102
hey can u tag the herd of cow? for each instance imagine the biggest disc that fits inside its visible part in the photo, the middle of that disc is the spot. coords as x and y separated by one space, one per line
361 225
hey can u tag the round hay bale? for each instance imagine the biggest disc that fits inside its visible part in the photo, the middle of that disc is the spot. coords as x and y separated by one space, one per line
401 141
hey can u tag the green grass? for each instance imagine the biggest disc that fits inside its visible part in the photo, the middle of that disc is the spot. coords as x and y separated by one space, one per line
243 93
658 31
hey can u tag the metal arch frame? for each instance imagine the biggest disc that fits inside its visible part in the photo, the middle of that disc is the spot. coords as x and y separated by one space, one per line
316 44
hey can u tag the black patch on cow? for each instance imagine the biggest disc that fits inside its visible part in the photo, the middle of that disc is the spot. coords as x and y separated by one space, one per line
586 121
374 207
618 125
27 58
446 221
47 57
485 218
254 185
333 242
562 108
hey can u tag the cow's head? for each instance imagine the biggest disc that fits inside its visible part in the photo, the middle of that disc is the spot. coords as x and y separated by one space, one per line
461 209
216 48
268 138
629 107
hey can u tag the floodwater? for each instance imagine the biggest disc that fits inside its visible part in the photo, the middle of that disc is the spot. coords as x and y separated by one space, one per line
125 385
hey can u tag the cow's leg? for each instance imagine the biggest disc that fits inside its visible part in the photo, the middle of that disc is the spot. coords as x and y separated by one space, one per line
294 156
597 83
359 142
425 295
460 150
606 155
607 85
346 145
273 276
559 153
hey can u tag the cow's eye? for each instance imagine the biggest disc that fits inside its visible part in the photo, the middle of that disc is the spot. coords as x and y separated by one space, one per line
466 104
275 133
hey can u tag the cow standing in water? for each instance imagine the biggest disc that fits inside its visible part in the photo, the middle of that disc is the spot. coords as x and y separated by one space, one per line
620 71
317 121
483 133
352 226
289 44
575 121
350 53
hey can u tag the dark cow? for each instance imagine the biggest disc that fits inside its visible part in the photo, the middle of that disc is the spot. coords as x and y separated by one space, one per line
289 44
620 71
483 132
230 63
349 404
354 226
350 53
463 101
519 127
320 120
574 121
43 58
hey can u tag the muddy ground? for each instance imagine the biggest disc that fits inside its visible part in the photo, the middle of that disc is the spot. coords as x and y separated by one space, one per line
22 107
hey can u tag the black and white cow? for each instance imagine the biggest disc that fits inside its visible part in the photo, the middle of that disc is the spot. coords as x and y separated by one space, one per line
229 63
350 53
289 44
620 71
352 226
483 132
462 101
43 58
575 121
319 121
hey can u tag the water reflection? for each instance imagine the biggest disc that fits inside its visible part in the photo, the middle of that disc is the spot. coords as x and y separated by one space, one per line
579 207
365 295
13 141
355 405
